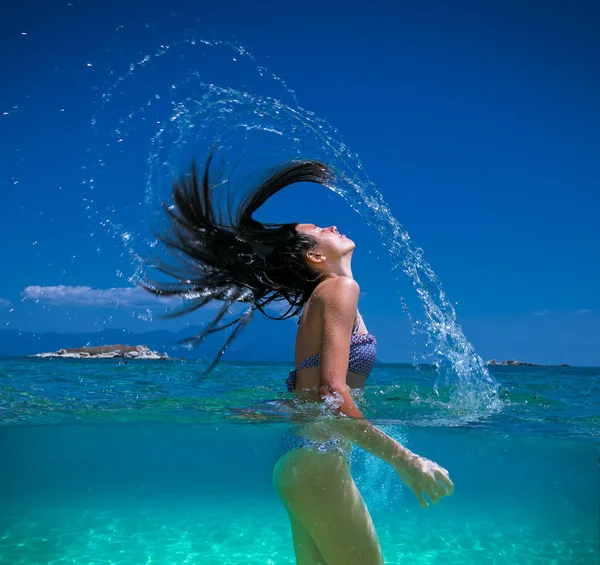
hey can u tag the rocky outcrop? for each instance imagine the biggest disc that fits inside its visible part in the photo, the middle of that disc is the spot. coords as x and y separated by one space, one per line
107 352
512 362
515 363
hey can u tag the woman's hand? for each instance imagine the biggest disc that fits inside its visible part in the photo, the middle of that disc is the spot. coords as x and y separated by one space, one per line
423 476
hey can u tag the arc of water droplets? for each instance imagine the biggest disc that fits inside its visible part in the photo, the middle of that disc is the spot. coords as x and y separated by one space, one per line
453 353
476 391
191 41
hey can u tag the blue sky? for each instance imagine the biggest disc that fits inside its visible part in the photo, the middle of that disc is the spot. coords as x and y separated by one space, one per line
478 124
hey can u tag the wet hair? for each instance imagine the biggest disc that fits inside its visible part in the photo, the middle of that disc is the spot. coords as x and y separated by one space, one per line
238 260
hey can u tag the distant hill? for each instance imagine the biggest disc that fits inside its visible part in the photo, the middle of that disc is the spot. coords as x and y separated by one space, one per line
263 340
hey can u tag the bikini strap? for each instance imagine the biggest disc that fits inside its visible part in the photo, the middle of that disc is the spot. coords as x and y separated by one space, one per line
357 324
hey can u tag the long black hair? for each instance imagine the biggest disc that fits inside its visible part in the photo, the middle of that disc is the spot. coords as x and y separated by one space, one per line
238 260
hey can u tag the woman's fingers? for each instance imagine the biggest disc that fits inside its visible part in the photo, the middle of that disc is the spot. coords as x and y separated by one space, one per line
442 477
429 479
421 498
440 487
436 492
433 491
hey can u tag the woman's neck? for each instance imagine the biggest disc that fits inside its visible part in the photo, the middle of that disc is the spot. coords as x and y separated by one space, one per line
343 268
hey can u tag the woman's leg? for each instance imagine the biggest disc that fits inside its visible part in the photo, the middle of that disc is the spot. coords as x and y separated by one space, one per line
326 507
305 549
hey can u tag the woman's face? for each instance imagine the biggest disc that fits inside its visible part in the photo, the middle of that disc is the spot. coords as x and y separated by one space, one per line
331 245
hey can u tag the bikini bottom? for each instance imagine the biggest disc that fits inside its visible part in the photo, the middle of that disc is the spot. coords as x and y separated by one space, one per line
292 441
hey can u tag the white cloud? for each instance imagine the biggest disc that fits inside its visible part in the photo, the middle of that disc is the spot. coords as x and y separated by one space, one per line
4 302
128 297
583 311
541 313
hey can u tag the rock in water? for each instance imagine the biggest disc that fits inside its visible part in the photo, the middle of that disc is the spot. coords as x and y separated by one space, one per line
107 352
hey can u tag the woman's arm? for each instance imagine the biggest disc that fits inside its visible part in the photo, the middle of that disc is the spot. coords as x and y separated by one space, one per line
339 301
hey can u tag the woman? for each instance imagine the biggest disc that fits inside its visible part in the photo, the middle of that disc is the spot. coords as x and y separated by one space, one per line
309 269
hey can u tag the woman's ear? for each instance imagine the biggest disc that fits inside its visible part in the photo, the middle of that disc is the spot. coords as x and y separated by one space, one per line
313 257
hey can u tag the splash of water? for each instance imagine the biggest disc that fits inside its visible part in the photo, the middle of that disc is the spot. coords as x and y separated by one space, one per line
196 114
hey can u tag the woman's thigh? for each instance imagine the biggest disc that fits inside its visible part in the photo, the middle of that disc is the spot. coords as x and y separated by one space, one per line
320 494
305 548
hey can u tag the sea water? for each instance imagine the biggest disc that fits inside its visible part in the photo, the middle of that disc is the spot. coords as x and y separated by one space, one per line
150 462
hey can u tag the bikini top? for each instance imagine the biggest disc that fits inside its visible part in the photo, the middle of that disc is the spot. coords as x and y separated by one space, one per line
361 356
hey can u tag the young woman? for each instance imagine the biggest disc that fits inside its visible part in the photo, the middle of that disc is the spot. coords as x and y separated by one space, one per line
238 259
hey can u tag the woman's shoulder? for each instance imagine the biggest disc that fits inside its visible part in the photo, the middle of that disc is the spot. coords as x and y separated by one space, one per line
337 290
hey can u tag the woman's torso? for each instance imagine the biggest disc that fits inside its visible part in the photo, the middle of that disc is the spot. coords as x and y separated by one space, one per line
308 343
307 380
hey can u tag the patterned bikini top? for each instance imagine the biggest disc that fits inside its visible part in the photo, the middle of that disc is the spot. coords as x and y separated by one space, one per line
361 356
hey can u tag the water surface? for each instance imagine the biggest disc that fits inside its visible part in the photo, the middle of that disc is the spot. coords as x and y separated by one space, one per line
147 463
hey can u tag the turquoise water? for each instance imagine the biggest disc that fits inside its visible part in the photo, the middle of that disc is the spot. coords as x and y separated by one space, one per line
145 463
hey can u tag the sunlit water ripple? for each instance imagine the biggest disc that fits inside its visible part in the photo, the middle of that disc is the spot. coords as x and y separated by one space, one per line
552 400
